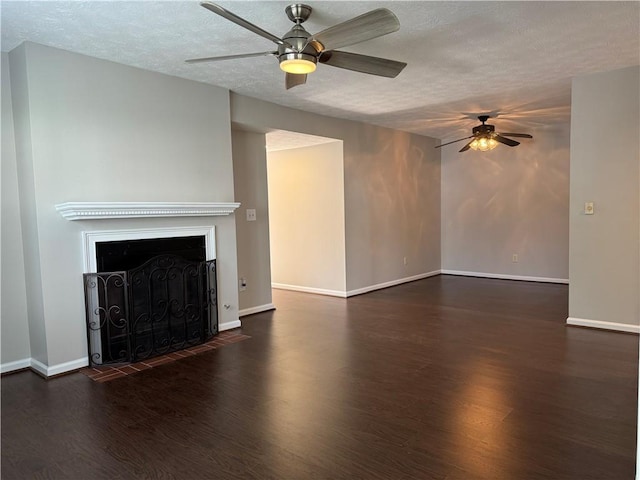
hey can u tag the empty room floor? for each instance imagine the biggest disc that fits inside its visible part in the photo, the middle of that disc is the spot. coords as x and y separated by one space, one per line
448 378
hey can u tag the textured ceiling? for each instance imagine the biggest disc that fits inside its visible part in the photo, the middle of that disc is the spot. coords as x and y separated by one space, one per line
515 59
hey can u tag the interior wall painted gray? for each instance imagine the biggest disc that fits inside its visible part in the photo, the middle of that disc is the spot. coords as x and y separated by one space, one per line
392 191
20 102
508 201
306 222
94 130
13 309
392 206
605 167
250 182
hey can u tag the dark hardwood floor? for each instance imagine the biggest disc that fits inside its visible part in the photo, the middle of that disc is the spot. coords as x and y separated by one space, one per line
446 378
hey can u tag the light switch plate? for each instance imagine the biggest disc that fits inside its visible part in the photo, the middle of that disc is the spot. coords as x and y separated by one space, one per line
251 214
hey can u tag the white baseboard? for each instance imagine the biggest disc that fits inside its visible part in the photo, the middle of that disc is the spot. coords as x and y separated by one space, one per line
17 365
505 277
50 371
392 283
65 367
229 325
618 327
47 371
259 309
43 369
358 291
317 291
39 367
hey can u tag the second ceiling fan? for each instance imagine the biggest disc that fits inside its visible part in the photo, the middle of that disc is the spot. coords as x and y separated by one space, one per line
299 52
486 138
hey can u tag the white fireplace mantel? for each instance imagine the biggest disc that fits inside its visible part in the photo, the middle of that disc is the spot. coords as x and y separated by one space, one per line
107 210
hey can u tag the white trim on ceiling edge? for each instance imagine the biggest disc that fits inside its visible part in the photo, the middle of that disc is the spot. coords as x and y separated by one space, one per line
601 325
49 371
505 277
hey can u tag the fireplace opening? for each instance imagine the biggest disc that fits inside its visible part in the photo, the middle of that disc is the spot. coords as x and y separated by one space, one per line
128 254
149 297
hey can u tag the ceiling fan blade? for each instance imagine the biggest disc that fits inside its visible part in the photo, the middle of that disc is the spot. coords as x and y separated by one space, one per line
241 21
293 80
455 141
373 24
230 57
506 141
466 147
362 63
523 135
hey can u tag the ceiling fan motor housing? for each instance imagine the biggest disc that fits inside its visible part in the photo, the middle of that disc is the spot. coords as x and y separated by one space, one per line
483 130
296 46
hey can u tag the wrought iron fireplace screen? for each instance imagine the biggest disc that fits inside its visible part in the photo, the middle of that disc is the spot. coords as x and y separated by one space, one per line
164 305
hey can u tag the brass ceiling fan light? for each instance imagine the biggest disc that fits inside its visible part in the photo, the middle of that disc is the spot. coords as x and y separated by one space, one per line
486 138
299 52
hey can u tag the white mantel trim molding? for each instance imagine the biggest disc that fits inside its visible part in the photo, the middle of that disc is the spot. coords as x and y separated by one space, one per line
106 210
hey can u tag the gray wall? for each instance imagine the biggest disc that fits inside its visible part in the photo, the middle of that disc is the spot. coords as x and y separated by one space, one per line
20 100
392 191
603 256
92 130
15 327
508 201
250 180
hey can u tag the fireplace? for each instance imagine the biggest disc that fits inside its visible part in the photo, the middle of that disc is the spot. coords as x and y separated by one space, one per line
149 294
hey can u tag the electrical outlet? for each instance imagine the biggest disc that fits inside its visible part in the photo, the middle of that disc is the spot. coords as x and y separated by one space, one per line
243 284
514 258
588 208
405 260
251 214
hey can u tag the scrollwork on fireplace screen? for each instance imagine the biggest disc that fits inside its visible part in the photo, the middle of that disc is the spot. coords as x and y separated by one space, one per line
162 306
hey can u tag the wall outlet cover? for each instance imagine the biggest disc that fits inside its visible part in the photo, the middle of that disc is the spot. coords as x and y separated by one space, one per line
588 208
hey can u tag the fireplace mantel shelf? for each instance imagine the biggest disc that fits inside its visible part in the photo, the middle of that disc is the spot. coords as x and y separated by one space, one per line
107 210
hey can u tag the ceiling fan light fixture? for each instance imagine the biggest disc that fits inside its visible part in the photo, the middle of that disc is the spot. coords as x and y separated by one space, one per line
298 63
483 144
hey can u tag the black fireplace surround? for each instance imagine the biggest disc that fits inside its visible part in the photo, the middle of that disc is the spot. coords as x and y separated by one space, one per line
150 297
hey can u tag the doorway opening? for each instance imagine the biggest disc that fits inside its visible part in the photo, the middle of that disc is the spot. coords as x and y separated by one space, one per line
305 178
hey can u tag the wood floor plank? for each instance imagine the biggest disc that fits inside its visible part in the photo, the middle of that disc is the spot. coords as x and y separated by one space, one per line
446 378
